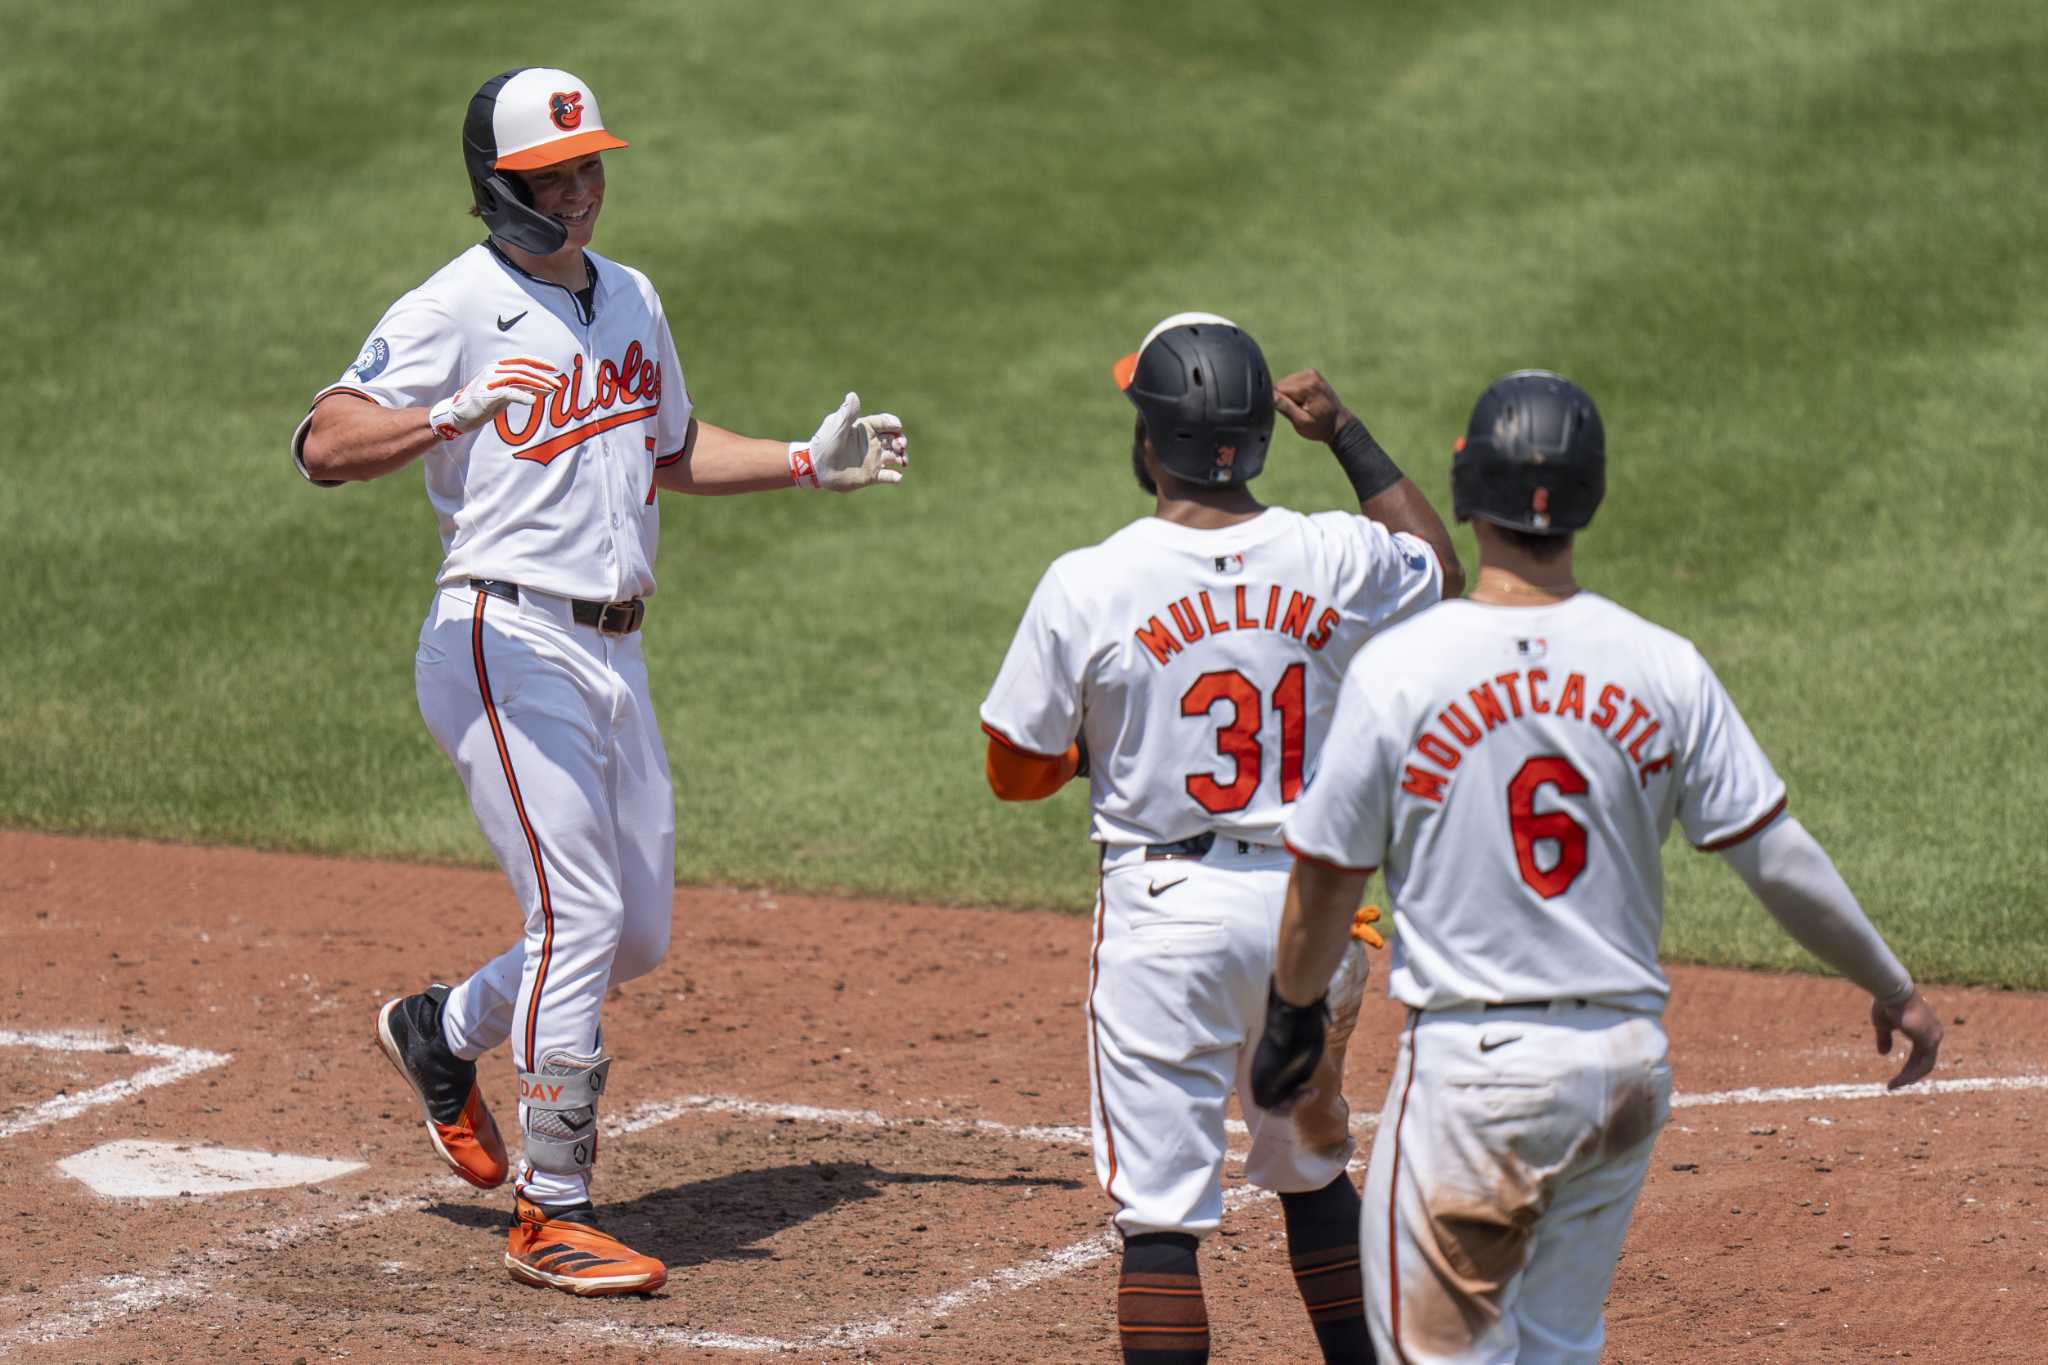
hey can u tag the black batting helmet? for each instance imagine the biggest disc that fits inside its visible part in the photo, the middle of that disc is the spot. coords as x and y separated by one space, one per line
1201 386
1533 457
522 120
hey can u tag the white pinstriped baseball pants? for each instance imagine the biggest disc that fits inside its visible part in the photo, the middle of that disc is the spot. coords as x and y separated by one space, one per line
550 727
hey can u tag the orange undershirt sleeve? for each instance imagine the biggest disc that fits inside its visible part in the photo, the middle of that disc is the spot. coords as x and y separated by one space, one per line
1017 775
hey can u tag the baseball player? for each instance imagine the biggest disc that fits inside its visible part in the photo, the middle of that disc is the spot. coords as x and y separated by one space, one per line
1514 761
1187 666
539 385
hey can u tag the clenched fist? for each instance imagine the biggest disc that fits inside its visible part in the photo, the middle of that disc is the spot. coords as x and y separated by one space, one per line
1306 399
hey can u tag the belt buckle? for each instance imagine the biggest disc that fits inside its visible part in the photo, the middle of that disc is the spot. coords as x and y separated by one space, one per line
622 624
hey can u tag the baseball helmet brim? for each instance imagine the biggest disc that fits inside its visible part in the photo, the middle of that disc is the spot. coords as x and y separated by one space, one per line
560 150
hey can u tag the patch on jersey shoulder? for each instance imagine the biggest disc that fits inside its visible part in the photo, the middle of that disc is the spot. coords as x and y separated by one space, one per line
1532 646
372 361
1229 563
1416 561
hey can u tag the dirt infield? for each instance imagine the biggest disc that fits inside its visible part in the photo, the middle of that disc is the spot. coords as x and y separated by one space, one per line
857 1131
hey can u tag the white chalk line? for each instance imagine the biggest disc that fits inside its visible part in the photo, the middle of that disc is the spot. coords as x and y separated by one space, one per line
1052 1265
98 1302
120 1295
657 1112
179 1063
1961 1085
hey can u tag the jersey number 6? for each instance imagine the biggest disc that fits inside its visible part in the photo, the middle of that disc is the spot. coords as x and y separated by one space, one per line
1530 825
1239 740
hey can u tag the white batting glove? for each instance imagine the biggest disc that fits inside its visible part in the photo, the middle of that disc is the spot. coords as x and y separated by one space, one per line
515 379
850 451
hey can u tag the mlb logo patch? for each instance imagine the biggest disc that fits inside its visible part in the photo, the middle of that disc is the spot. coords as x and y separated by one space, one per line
1229 563
1532 647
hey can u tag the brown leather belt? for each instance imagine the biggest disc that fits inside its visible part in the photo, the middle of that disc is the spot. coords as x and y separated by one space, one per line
612 618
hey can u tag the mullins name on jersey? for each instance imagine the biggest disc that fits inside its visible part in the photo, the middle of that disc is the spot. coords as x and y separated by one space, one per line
1196 618
1459 730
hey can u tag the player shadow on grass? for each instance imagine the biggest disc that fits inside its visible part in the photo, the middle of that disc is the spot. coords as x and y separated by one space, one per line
721 1219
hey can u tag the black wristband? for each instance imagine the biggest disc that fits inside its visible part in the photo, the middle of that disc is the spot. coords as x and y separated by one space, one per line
1371 470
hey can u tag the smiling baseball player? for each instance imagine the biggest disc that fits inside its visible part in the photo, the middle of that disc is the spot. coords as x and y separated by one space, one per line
1191 660
539 384
1515 761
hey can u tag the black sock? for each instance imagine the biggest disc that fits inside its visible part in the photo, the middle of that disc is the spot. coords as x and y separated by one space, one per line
1160 1315
1322 1243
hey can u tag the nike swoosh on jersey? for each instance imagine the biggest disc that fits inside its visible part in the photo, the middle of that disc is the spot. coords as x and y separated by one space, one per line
507 324
1155 888
1489 1044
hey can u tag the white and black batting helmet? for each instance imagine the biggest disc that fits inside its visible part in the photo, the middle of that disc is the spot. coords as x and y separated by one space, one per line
520 121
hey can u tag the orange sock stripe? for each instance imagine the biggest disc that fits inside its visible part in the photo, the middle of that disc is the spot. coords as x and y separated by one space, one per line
540 872
1311 1271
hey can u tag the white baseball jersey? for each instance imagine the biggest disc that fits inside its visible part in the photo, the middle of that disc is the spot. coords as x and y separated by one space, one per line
556 495
1515 770
1201 665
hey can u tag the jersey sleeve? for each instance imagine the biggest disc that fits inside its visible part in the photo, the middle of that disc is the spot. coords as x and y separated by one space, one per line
1728 789
672 423
412 360
1397 573
1345 813
1035 702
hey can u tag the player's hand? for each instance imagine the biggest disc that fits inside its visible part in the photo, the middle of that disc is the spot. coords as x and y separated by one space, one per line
1306 399
1288 1051
1922 1027
514 379
850 452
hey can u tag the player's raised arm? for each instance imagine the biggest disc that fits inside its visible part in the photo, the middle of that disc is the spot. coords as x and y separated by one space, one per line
847 453
1787 869
1385 494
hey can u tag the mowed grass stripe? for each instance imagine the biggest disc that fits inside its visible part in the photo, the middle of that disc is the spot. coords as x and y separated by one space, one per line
1792 249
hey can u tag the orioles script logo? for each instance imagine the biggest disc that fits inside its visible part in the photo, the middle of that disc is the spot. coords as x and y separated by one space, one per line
572 417
565 109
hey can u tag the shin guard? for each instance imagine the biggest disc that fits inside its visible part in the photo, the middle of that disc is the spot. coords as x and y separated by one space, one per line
558 1110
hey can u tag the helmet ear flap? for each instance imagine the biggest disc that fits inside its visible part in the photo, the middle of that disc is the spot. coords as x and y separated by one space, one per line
513 219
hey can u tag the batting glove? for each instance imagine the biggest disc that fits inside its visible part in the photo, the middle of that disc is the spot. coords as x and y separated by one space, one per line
1288 1050
850 451
515 379
1362 927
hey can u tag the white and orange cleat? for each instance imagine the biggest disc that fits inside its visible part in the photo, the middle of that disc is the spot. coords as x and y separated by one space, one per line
459 1124
563 1248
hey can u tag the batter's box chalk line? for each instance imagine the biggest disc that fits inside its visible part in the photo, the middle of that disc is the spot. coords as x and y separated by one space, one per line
87 1305
174 1064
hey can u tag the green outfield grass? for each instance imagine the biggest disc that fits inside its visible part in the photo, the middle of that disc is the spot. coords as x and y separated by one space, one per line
1795 249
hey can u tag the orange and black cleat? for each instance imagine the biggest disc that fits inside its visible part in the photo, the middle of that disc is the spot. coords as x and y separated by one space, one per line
459 1124
562 1248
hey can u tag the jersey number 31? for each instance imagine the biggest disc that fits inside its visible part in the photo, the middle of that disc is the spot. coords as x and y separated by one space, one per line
1239 740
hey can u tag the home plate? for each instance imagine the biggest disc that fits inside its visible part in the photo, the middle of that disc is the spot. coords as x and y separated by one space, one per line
138 1169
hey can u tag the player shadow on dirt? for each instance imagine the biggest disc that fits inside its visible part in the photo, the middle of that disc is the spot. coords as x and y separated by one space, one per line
721 1219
